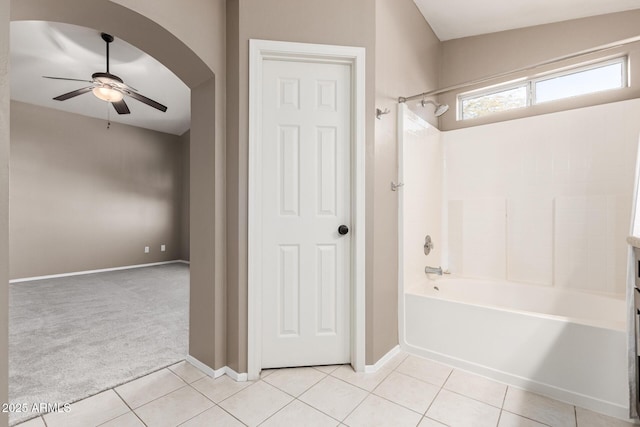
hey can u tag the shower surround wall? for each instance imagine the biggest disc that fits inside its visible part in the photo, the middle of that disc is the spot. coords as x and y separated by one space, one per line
544 200
421 195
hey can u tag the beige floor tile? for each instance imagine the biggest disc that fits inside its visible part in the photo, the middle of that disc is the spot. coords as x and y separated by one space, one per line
360 379
174 408
143 390
539 408
295 381
127 420
407 391
476 387
214 417
35 422
428 422
507 419
396 360
334 397
425 370
327 369
220 388
266 372
187 371
378 412
456 410
256 403
91 411
299 414
587 418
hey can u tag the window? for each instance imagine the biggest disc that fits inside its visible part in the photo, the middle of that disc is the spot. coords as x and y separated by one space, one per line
489 103
594 78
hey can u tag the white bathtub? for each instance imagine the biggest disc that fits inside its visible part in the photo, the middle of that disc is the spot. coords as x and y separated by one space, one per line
564 344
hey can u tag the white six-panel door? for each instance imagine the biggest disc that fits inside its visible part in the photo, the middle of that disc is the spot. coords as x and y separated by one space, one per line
305 145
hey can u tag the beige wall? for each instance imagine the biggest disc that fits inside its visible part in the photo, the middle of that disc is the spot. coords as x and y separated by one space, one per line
4 208
207 309
472 58
85 197
185 146
407 61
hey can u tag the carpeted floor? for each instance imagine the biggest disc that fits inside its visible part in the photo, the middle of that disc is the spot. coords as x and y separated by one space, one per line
73 337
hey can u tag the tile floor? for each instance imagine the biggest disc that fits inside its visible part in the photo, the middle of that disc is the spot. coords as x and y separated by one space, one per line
407 391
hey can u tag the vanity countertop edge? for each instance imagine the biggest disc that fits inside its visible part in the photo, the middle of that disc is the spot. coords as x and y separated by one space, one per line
634 241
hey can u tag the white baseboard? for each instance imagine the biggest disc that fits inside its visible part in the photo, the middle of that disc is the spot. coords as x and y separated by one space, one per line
103 270
369 369
215 373
236 376
591 403
184 262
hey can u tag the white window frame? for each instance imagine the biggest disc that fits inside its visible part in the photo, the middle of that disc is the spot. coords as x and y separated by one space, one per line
619 60
531 83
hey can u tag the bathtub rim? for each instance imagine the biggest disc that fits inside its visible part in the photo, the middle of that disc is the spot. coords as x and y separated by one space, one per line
602 324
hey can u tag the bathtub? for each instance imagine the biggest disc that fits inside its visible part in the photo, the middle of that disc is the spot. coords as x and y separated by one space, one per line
567 345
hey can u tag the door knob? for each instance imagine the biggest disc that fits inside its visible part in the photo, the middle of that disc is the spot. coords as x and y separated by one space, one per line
343 229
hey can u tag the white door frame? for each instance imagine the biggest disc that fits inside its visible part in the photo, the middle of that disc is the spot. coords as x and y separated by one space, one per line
259 51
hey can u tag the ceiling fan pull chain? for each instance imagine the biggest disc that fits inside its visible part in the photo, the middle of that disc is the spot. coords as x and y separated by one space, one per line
108 115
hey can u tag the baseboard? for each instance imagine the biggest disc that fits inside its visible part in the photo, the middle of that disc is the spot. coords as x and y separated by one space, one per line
184 262
103 270
369 369
215 373
591 403
236 376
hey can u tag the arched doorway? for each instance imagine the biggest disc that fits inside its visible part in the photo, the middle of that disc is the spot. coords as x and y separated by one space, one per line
207 201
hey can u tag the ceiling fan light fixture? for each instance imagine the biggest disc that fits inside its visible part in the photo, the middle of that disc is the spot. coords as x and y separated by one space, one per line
104 89
107 94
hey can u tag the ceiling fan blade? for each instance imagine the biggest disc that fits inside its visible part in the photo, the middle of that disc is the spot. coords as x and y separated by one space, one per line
71 94
64 78
146 100
121 107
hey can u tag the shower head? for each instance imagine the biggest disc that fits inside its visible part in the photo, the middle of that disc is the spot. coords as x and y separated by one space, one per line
440 108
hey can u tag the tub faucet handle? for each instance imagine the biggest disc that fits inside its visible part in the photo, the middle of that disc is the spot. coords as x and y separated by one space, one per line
428 245
433 270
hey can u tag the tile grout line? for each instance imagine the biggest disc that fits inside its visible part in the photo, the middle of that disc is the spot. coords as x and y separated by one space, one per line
199 413
302 401
438 394
252 383
130 408
214 403
325 375
157 398
527 418
369 393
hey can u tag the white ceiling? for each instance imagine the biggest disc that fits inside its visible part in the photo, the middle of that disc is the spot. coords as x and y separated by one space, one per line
60 50
452 19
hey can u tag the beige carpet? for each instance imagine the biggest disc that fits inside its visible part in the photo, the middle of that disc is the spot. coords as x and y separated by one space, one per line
73 337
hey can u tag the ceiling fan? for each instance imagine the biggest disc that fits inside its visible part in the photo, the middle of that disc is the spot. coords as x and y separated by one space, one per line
108 87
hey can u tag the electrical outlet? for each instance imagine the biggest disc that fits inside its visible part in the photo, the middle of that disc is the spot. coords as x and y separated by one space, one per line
163 248
147 249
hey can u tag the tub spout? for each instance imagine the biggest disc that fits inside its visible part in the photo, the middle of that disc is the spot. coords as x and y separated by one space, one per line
433 270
